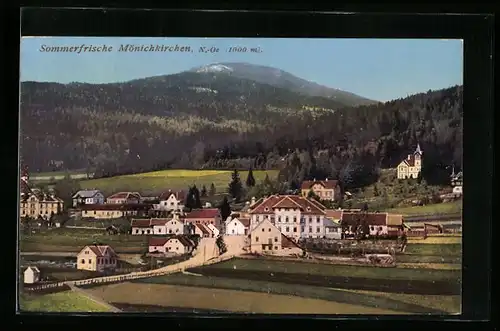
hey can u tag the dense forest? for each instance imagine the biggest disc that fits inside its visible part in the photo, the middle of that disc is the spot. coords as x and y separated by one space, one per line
205 120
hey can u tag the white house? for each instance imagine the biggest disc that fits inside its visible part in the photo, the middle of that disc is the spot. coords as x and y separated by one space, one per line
88 197
237 226
171 200
178 245
265 238
31 275
174 226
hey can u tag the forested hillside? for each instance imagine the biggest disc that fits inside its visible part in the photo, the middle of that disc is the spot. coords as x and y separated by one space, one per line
194 120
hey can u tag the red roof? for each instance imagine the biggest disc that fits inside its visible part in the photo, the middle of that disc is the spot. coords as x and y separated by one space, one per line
124 195
179 195
328 184
333 213
204 229
202 213
159 221
157 241
100 250
287 242
134 206
306 205
245 222
140 223
370 218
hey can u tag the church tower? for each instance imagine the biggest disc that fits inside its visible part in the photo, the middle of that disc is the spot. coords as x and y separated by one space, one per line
418 156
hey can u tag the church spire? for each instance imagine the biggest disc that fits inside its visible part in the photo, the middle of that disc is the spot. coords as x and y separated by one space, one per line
418 150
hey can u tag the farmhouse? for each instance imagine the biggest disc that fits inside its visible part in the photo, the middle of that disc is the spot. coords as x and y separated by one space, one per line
204 216
142 226
174 226
122 198
171 200
324 189
97 258
177 245
110 211
31 275
293 215
87 197
265 238
411 166
379 223
202 230
35 203
237 226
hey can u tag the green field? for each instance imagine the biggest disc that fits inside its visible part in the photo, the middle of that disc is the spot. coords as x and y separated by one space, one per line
334 295
435 249
67 301
158 181
336 270
73 240
434 209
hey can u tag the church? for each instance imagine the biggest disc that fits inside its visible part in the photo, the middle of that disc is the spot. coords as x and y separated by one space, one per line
412 165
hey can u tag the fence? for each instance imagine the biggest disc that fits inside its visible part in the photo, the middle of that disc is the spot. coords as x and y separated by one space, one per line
146 274
44 287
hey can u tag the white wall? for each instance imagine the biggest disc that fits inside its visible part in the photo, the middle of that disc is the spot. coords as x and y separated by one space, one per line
175 227
234 227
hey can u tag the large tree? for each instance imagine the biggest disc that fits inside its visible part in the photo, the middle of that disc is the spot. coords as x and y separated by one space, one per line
225 209
235 188
250 179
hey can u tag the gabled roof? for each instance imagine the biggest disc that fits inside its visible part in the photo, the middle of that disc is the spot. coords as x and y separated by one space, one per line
334 214
183 240
370 218
288 243
306 205
159 221
33 268
202 213
125 195
86 193
100 250
328 184
157 241
204 229
245 222
328 222
410 161
179 195
140 223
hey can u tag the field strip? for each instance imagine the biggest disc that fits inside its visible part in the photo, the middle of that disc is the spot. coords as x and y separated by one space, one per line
93 298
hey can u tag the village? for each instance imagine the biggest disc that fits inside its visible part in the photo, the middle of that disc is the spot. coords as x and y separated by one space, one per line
287 226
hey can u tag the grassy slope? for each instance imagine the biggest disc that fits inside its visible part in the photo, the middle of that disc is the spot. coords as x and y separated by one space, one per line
304 291
67 301
440 208
332 270
154 182
73 240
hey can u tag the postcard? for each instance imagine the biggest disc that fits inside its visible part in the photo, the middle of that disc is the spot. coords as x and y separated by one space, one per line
240 175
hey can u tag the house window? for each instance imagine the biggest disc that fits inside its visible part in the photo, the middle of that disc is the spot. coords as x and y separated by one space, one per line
294 229
263 229
318 220
302 229
287 229
90 261
318 229
86 252
276 247
136 230
232 231
294 219
373 228
170 231
256 239
177 248
275 239
83 261
266 209
279 218
286 219
142 231
269 230
380 228
149 231
159 230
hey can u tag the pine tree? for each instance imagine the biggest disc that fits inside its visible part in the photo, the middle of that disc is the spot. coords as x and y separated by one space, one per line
235 188
212 191
250 179
203 191
196 197
225 209
190 203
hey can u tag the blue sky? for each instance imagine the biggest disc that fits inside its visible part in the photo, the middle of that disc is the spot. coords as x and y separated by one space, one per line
379 69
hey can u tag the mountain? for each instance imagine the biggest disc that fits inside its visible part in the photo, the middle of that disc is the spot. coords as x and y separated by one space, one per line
283 79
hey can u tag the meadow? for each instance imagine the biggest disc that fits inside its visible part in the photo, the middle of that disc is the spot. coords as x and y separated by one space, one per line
431 209
175 179
73 240
67 301
230 295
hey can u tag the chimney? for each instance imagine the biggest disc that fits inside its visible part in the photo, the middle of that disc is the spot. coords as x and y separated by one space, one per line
252 201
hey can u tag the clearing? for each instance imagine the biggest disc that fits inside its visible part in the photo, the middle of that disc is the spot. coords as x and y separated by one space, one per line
223 299
433 209
175 179
318 269
67 301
